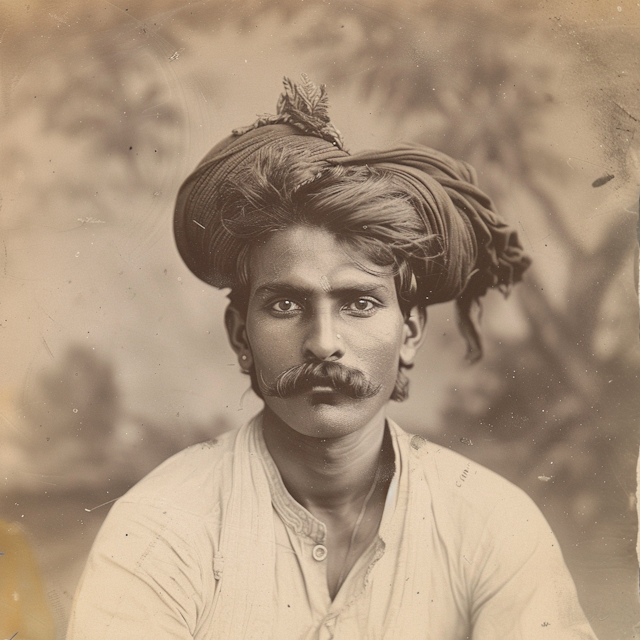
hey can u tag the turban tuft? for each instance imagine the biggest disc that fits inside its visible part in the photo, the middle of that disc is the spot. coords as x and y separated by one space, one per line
304 106
478 250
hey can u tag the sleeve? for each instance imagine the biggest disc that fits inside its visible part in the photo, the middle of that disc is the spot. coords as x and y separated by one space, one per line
143 578
522 588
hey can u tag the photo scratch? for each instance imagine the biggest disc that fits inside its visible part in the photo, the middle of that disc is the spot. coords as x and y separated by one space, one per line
100 505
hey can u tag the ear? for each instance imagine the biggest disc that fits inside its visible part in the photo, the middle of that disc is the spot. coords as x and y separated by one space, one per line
413 335
236 326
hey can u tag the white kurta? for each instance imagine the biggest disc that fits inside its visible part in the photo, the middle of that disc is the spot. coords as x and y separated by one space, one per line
187 554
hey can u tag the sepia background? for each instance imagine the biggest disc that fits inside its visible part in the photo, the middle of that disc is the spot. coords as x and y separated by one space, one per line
113 356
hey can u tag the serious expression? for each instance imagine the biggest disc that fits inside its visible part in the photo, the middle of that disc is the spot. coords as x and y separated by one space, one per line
312 299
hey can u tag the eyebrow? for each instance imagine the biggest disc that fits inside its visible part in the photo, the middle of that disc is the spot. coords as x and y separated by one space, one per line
282 288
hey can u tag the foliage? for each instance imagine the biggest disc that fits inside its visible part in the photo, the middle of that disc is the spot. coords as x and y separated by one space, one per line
81 435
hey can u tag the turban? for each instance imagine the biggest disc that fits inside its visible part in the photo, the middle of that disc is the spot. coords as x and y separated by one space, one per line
477 249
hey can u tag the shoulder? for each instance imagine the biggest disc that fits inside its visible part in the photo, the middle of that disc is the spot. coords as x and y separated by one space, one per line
463 490
189 481
499 550
174 509
154 547
474 513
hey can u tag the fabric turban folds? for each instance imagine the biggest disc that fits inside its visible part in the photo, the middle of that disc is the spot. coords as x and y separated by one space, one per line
409 207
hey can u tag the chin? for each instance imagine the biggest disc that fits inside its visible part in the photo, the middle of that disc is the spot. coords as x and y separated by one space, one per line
326 415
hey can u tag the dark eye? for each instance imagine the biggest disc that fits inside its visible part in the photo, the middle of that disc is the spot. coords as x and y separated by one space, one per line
285 305
362 306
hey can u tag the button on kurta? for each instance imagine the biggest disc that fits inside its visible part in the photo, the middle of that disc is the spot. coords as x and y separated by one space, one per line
319 552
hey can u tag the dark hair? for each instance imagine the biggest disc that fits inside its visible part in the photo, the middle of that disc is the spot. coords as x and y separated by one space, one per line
363 207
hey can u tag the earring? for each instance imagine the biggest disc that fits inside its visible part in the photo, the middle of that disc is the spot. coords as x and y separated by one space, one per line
243 357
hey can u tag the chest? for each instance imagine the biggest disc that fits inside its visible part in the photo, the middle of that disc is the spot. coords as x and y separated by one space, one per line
386 594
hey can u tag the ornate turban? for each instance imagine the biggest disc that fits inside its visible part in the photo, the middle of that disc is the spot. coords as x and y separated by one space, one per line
477 250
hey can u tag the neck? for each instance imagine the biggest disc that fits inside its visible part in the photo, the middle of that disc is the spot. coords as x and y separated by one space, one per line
325 474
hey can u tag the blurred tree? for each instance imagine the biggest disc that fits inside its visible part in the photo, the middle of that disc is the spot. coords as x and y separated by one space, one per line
81 435
103 90
73 412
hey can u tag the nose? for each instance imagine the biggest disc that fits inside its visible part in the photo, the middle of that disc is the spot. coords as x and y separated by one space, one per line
322 341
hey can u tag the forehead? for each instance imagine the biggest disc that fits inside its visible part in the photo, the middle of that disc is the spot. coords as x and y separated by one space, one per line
311 257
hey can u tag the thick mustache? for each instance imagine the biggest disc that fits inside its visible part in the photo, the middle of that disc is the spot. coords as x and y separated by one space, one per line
352 383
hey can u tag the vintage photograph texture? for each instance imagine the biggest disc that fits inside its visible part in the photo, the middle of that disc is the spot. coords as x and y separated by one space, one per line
113 355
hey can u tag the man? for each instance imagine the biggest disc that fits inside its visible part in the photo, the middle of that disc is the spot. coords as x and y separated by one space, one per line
321 518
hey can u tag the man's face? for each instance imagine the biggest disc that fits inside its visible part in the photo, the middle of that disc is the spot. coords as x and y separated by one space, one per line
312 300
